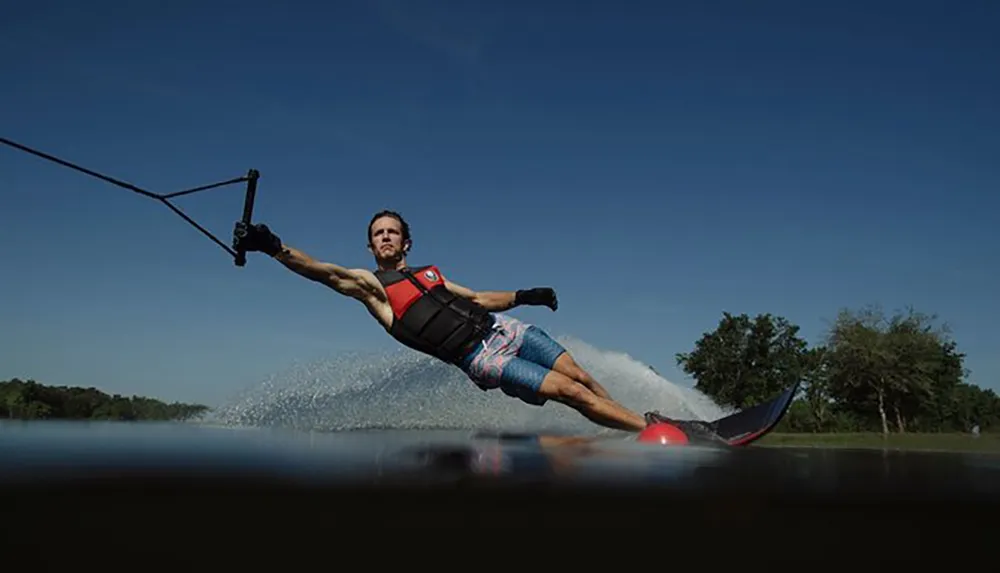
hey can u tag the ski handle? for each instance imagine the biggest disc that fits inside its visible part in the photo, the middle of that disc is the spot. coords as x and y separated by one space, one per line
252 176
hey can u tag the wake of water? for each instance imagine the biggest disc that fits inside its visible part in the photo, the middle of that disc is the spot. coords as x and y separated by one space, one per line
409 390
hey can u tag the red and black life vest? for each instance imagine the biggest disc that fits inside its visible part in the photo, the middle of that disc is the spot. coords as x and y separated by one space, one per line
431 319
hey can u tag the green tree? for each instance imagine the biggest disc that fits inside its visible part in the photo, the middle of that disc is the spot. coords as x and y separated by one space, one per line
818 410
897 370
745 361
969 406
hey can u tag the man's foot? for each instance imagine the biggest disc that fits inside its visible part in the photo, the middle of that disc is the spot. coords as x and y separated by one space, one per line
695 429
655 417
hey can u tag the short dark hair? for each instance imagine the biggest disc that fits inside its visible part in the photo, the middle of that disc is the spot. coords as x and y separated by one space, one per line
394 215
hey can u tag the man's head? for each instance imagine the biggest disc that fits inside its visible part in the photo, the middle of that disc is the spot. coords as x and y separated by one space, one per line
389 239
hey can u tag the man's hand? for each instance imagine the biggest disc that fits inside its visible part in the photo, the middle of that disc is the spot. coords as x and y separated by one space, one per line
256 238
541 296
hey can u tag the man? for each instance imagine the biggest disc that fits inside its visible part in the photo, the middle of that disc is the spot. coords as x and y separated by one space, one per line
425 311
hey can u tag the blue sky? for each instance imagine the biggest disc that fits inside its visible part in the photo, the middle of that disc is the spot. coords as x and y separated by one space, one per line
657 163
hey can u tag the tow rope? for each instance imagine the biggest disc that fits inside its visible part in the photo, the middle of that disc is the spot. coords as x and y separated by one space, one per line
239 256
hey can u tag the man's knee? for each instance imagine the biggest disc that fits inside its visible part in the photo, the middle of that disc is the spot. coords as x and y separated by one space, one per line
566 365
562 388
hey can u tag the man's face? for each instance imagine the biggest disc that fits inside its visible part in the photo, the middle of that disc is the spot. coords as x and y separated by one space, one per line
387 239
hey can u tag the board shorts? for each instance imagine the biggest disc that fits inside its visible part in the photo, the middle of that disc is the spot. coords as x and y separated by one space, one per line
515 357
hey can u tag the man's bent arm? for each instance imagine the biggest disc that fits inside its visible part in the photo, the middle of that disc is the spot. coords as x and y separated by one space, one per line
496 300
490 300
504 300
341 279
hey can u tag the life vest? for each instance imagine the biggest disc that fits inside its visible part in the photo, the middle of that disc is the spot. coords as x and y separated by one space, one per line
431 319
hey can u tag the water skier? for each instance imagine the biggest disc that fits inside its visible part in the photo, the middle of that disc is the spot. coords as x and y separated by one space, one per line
427 312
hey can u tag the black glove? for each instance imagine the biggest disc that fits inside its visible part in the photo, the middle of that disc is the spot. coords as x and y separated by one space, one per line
256 238
541 296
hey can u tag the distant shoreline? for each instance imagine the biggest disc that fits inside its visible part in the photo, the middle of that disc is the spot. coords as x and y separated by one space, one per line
922 441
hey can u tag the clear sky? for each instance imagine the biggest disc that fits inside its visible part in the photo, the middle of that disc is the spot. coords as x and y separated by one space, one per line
656 162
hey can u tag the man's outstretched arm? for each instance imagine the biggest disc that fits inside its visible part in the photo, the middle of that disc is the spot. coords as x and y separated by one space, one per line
259 238
506 300
341 279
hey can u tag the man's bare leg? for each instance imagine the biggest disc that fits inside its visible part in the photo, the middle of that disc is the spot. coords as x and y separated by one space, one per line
566 365
608 413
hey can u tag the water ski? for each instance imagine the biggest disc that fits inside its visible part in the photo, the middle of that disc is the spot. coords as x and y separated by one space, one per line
739 429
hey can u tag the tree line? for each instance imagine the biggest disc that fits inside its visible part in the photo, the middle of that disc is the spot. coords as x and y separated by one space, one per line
871 372
29 400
